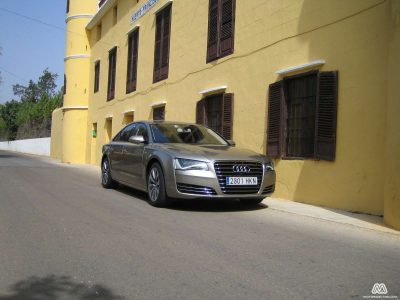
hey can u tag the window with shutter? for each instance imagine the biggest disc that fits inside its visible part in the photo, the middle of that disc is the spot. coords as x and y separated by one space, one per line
159 113
161 47
96 76
112 66
133 44
216 112
302 112
221 28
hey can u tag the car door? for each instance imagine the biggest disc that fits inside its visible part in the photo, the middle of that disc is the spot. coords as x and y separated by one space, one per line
117 151
133 159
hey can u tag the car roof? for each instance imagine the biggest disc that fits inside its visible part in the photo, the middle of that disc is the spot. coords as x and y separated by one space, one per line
163 122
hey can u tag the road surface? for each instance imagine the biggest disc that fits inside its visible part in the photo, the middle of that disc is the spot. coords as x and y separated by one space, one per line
62 236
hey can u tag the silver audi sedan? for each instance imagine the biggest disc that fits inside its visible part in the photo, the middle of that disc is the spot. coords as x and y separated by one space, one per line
180 160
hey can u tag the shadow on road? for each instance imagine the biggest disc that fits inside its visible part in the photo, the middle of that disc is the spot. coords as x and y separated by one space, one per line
196 205
54 287
6 155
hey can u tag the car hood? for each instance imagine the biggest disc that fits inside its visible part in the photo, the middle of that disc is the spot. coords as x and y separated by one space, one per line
210 153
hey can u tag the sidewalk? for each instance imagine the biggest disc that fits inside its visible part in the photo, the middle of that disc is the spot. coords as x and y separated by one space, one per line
329 214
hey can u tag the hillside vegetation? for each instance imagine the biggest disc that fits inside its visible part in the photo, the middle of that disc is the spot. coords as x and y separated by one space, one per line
30 115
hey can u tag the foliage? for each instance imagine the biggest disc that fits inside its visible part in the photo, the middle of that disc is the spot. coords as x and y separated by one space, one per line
9 113
1 52
38 111
3 127
35 91
33 111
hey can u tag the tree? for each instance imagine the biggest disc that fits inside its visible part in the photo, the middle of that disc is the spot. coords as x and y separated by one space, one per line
9 113
45 87
1 53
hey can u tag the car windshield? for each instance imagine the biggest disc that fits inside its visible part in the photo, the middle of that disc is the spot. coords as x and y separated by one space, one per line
186 133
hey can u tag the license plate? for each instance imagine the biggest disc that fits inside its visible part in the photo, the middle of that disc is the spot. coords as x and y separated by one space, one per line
241 180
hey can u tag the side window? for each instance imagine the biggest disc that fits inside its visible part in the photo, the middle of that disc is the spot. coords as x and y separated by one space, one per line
127 132
142 131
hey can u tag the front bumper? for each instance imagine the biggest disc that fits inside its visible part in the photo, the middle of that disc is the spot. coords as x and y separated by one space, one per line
206 184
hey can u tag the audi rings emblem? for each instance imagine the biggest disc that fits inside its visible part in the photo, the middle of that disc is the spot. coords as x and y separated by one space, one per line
241 169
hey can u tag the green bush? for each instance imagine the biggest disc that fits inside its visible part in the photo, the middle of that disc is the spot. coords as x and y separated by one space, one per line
33 111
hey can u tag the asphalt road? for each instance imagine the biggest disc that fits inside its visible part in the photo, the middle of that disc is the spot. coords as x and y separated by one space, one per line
62 236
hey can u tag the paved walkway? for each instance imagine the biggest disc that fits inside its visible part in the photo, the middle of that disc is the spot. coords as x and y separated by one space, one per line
330 214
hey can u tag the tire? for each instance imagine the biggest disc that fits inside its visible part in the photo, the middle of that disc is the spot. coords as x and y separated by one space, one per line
157 195
106 179
251 202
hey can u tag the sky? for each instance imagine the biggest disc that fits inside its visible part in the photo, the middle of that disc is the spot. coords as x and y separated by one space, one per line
29 47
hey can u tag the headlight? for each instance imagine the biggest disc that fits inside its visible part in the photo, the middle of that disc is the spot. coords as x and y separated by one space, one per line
269 166
189 164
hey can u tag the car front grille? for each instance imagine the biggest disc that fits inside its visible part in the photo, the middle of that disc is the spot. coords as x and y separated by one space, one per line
225 169
195 189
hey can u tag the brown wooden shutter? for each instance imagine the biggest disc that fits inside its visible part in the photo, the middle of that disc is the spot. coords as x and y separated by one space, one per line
157 48
132 61
227 116
201 112
112 68
227 27
212 40
327 98
165 43
274 131
129 67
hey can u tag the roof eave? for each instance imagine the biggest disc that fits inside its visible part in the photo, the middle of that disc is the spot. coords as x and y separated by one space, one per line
100 14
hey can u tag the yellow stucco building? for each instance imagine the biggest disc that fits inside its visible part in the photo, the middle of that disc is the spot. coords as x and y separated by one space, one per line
312 83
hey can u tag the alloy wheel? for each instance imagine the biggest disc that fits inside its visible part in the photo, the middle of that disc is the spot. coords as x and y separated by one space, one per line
154 184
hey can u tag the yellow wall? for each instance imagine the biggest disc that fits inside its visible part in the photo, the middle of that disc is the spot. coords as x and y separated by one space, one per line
56 134
353 37
74 137
392 186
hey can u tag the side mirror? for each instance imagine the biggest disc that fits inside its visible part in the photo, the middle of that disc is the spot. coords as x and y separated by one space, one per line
232 143
136 139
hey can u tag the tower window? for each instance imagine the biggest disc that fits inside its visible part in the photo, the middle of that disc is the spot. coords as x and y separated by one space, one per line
65 85
98 32
115 15
96 76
